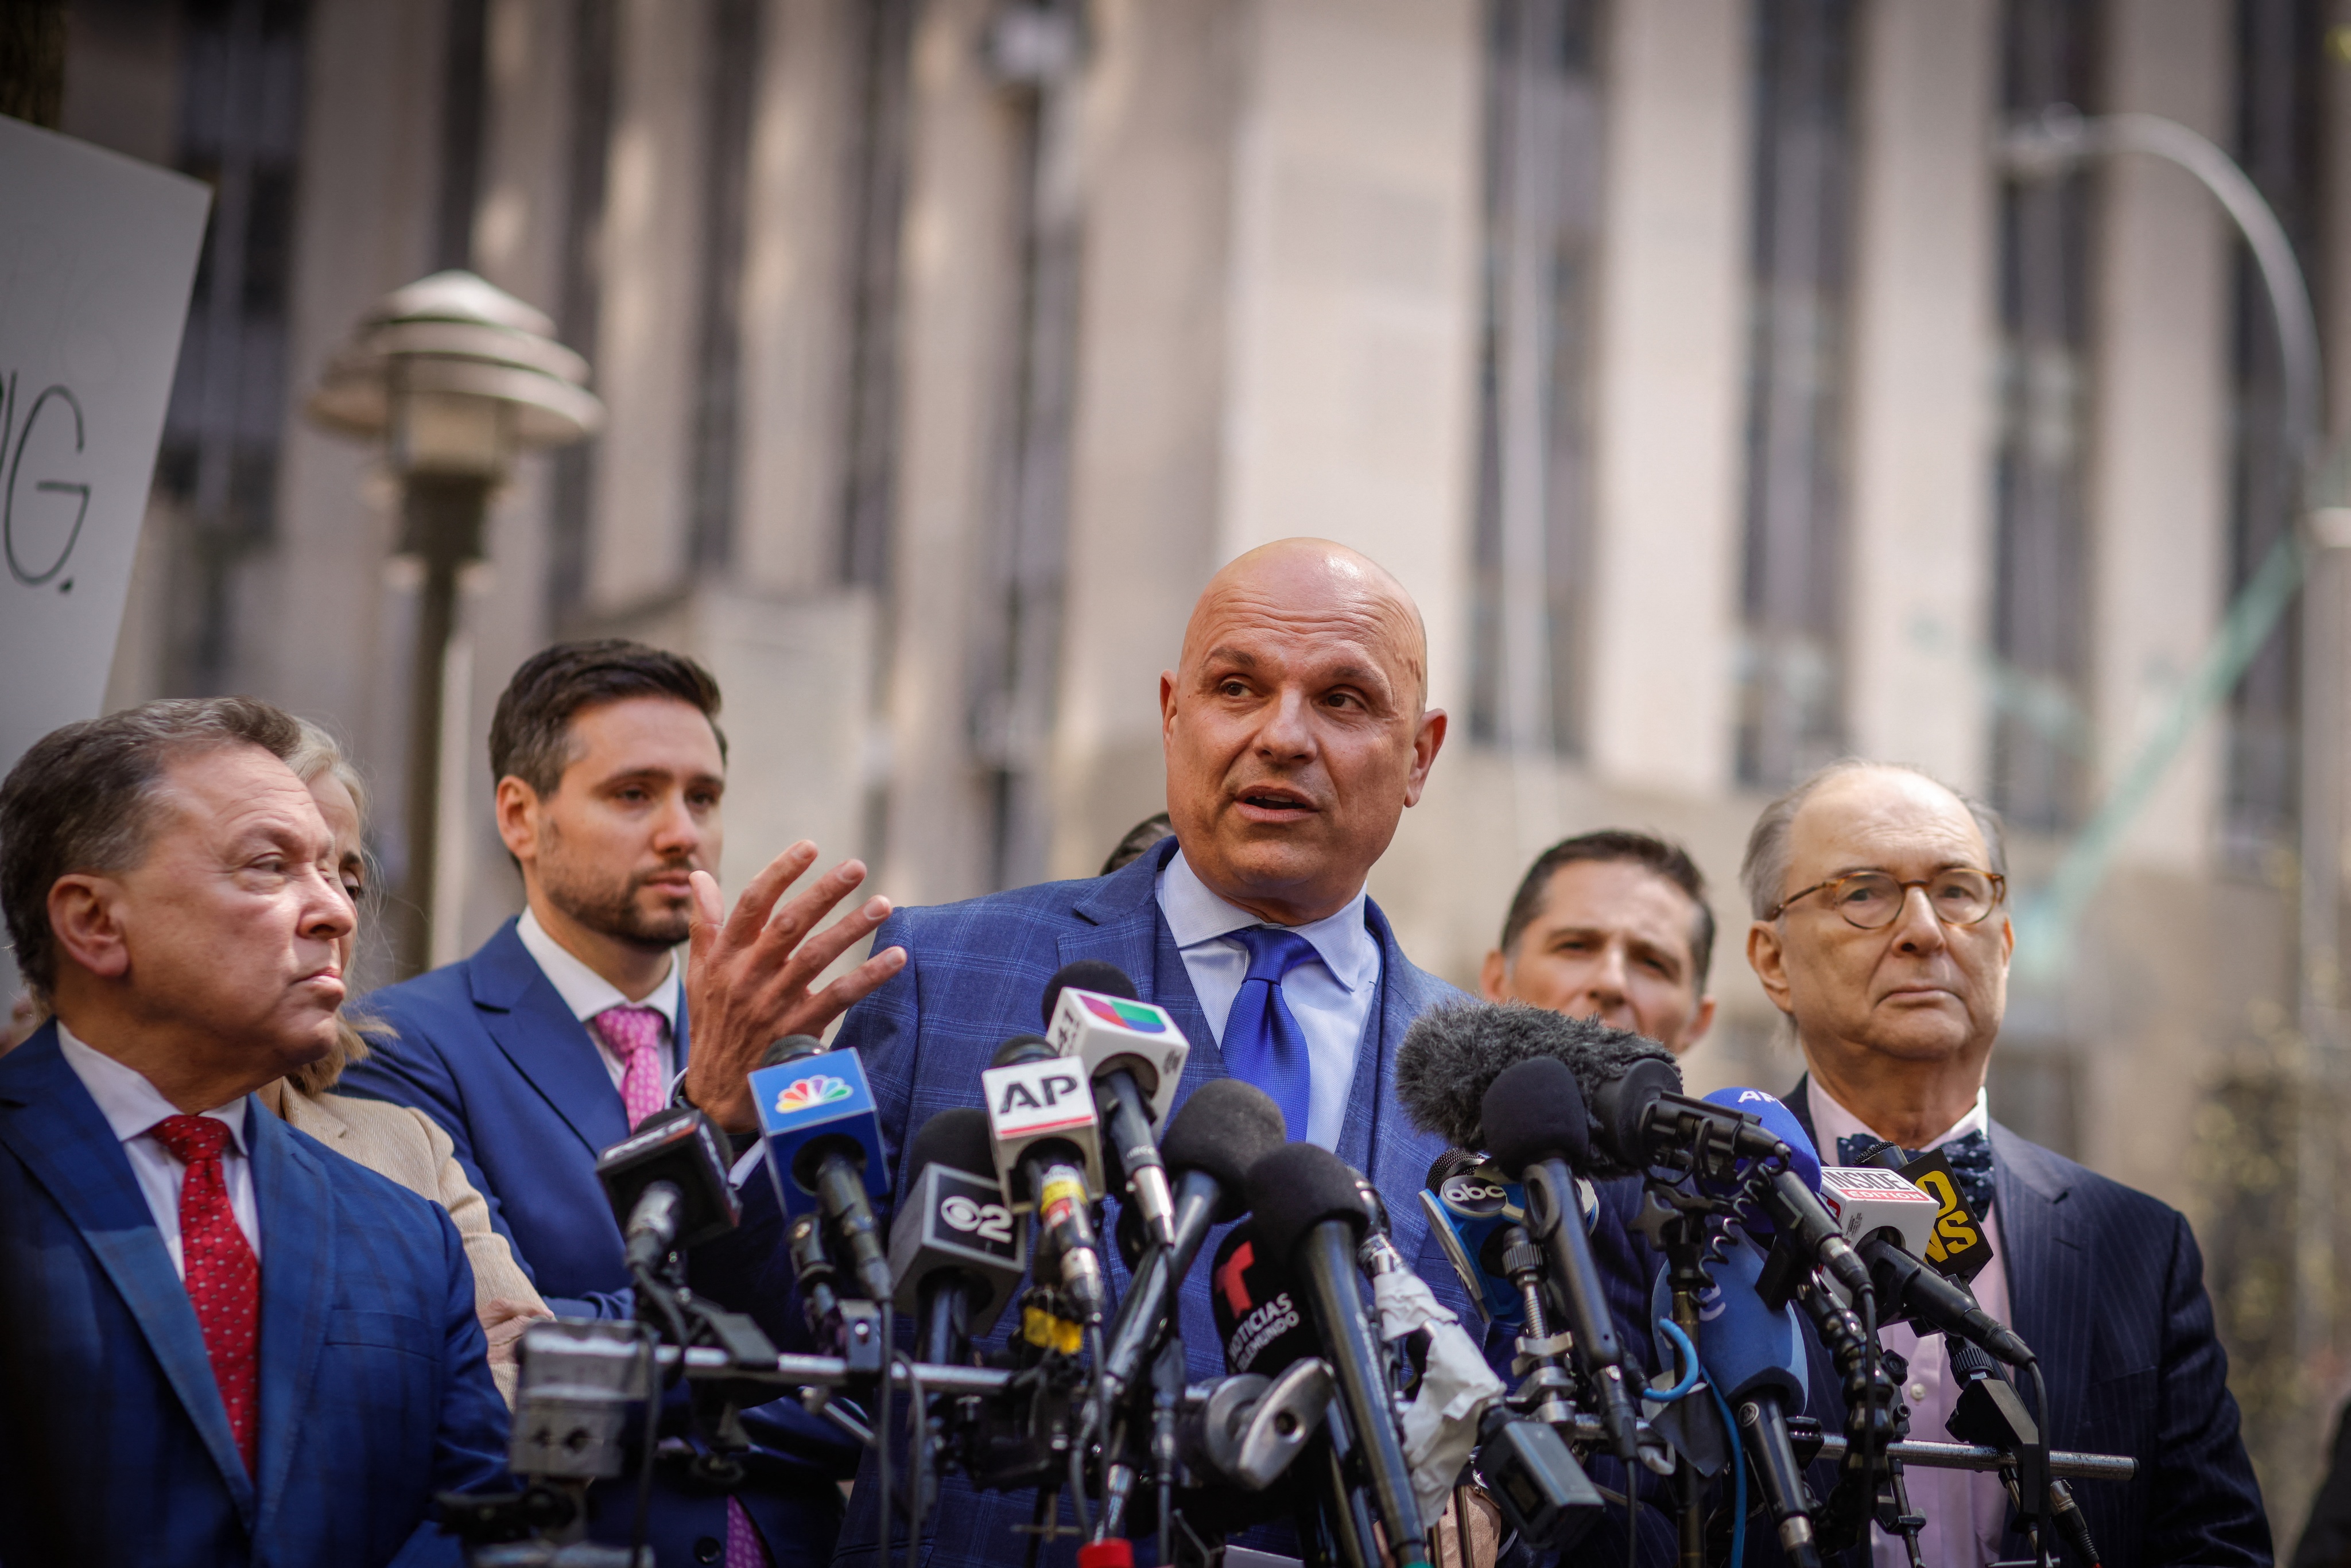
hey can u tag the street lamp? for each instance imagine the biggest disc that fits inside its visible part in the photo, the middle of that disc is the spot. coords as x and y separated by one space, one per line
455 377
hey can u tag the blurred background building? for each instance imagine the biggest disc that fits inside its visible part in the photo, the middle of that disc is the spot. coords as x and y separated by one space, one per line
1725 404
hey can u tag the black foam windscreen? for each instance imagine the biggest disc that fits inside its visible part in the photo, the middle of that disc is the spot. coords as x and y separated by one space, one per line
1023 1048
791 1048
1295 1188
1533 1112
1621 1104
1451 1055
958 1139
1224 1128
1087 974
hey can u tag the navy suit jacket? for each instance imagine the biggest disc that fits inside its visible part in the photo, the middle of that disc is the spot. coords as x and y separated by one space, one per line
488 1048
114 1444
2107 1285
976 975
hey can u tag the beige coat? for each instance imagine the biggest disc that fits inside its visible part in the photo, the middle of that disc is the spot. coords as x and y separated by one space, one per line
406 1146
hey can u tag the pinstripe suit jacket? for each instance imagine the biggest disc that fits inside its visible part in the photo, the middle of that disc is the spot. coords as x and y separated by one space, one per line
2107 1285
976 975
114 1444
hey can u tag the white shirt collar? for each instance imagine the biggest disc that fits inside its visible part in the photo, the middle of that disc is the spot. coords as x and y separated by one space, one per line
1832 1122
131 1104
583 990
1195 916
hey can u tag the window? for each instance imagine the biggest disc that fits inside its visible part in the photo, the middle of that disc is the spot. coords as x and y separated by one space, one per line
2040 603
1534 490
1790 693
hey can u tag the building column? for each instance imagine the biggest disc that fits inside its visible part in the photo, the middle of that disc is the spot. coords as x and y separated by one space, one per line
1924 252
1672 329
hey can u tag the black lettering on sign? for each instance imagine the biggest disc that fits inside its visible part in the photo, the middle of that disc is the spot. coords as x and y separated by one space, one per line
30 527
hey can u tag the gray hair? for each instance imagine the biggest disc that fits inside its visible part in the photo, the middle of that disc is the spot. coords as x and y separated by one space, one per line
319 755
1764 871
82 800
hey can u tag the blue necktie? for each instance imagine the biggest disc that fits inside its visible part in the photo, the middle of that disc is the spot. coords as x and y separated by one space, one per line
1263 1043
1971 1158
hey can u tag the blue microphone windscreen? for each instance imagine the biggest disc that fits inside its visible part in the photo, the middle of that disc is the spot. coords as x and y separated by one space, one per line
1746 1346
1774 1113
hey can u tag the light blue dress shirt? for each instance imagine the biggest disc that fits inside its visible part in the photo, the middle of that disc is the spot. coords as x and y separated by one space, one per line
1332 1000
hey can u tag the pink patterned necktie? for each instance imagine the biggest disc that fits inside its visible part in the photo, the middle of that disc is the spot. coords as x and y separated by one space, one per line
217 1265
635 1034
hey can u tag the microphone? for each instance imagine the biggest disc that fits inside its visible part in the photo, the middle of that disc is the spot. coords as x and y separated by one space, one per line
1537 1126
667 1184
791 1048
1224 1129
1890 1222
1134 1056
1048 1156
1754 1356
1472 1208
1256 1305
1307 1215
1449 1055
956 1256
824 1151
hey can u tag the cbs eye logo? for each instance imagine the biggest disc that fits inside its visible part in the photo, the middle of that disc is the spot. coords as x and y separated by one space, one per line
989 1222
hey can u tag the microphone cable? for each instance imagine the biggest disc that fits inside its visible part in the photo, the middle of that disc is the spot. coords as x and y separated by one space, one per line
1689 1385
649 1287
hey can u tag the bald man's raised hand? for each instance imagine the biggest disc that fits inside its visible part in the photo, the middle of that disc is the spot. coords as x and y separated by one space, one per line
748 977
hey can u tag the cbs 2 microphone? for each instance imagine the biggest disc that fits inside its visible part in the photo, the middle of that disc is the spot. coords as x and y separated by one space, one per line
1047 1148
1133 1057
957 1253
824 1153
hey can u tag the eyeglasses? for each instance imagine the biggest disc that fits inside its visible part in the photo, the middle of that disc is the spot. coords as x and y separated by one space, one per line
1871 900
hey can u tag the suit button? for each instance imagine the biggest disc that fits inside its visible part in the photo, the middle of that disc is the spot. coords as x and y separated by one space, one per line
708 1548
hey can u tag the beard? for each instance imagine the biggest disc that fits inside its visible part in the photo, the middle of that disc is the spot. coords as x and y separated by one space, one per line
609 905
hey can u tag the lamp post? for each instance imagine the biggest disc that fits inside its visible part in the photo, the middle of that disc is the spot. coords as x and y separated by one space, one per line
454 377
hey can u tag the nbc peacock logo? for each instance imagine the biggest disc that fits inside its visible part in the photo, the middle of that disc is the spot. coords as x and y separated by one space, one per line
808 1093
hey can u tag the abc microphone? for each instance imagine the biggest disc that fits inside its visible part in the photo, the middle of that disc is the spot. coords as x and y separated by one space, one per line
1307 1214
956 1255
1536 1125
1134 1056
1048 1156
824 1151
1223 1130
667 1183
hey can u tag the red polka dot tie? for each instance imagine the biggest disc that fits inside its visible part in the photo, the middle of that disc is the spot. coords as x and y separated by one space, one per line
223 1277
635 1034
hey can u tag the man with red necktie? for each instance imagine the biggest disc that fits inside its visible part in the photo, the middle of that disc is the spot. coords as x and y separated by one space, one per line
569 1026
225 1344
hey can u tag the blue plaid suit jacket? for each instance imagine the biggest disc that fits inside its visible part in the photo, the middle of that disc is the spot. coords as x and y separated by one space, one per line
976 975
114 1444
2107 1285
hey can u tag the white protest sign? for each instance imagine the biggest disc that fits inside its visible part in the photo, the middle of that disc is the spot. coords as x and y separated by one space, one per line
98 255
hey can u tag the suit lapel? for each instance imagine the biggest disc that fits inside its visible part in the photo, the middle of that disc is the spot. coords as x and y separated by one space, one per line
292 1192
50 1122
1124 927
2037 1237
1400 1152
525 1015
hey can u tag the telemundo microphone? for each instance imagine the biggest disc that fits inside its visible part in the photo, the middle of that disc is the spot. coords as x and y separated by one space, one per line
1754 1356
957 1253
667 1183
1307 1215
1220 1133
1046 1149
1134 1056
1536 1125
1890 1222
824 1150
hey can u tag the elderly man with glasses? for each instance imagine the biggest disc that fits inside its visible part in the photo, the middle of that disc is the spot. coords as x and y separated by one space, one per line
1882 932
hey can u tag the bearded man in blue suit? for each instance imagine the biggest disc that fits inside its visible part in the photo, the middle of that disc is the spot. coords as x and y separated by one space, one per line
226 1344
1296 732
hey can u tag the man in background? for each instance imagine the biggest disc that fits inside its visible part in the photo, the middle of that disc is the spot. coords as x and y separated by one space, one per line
1612 926
568 1027
224 1342
1881 931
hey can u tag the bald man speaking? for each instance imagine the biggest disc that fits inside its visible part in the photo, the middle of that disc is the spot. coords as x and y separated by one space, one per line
1297 730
